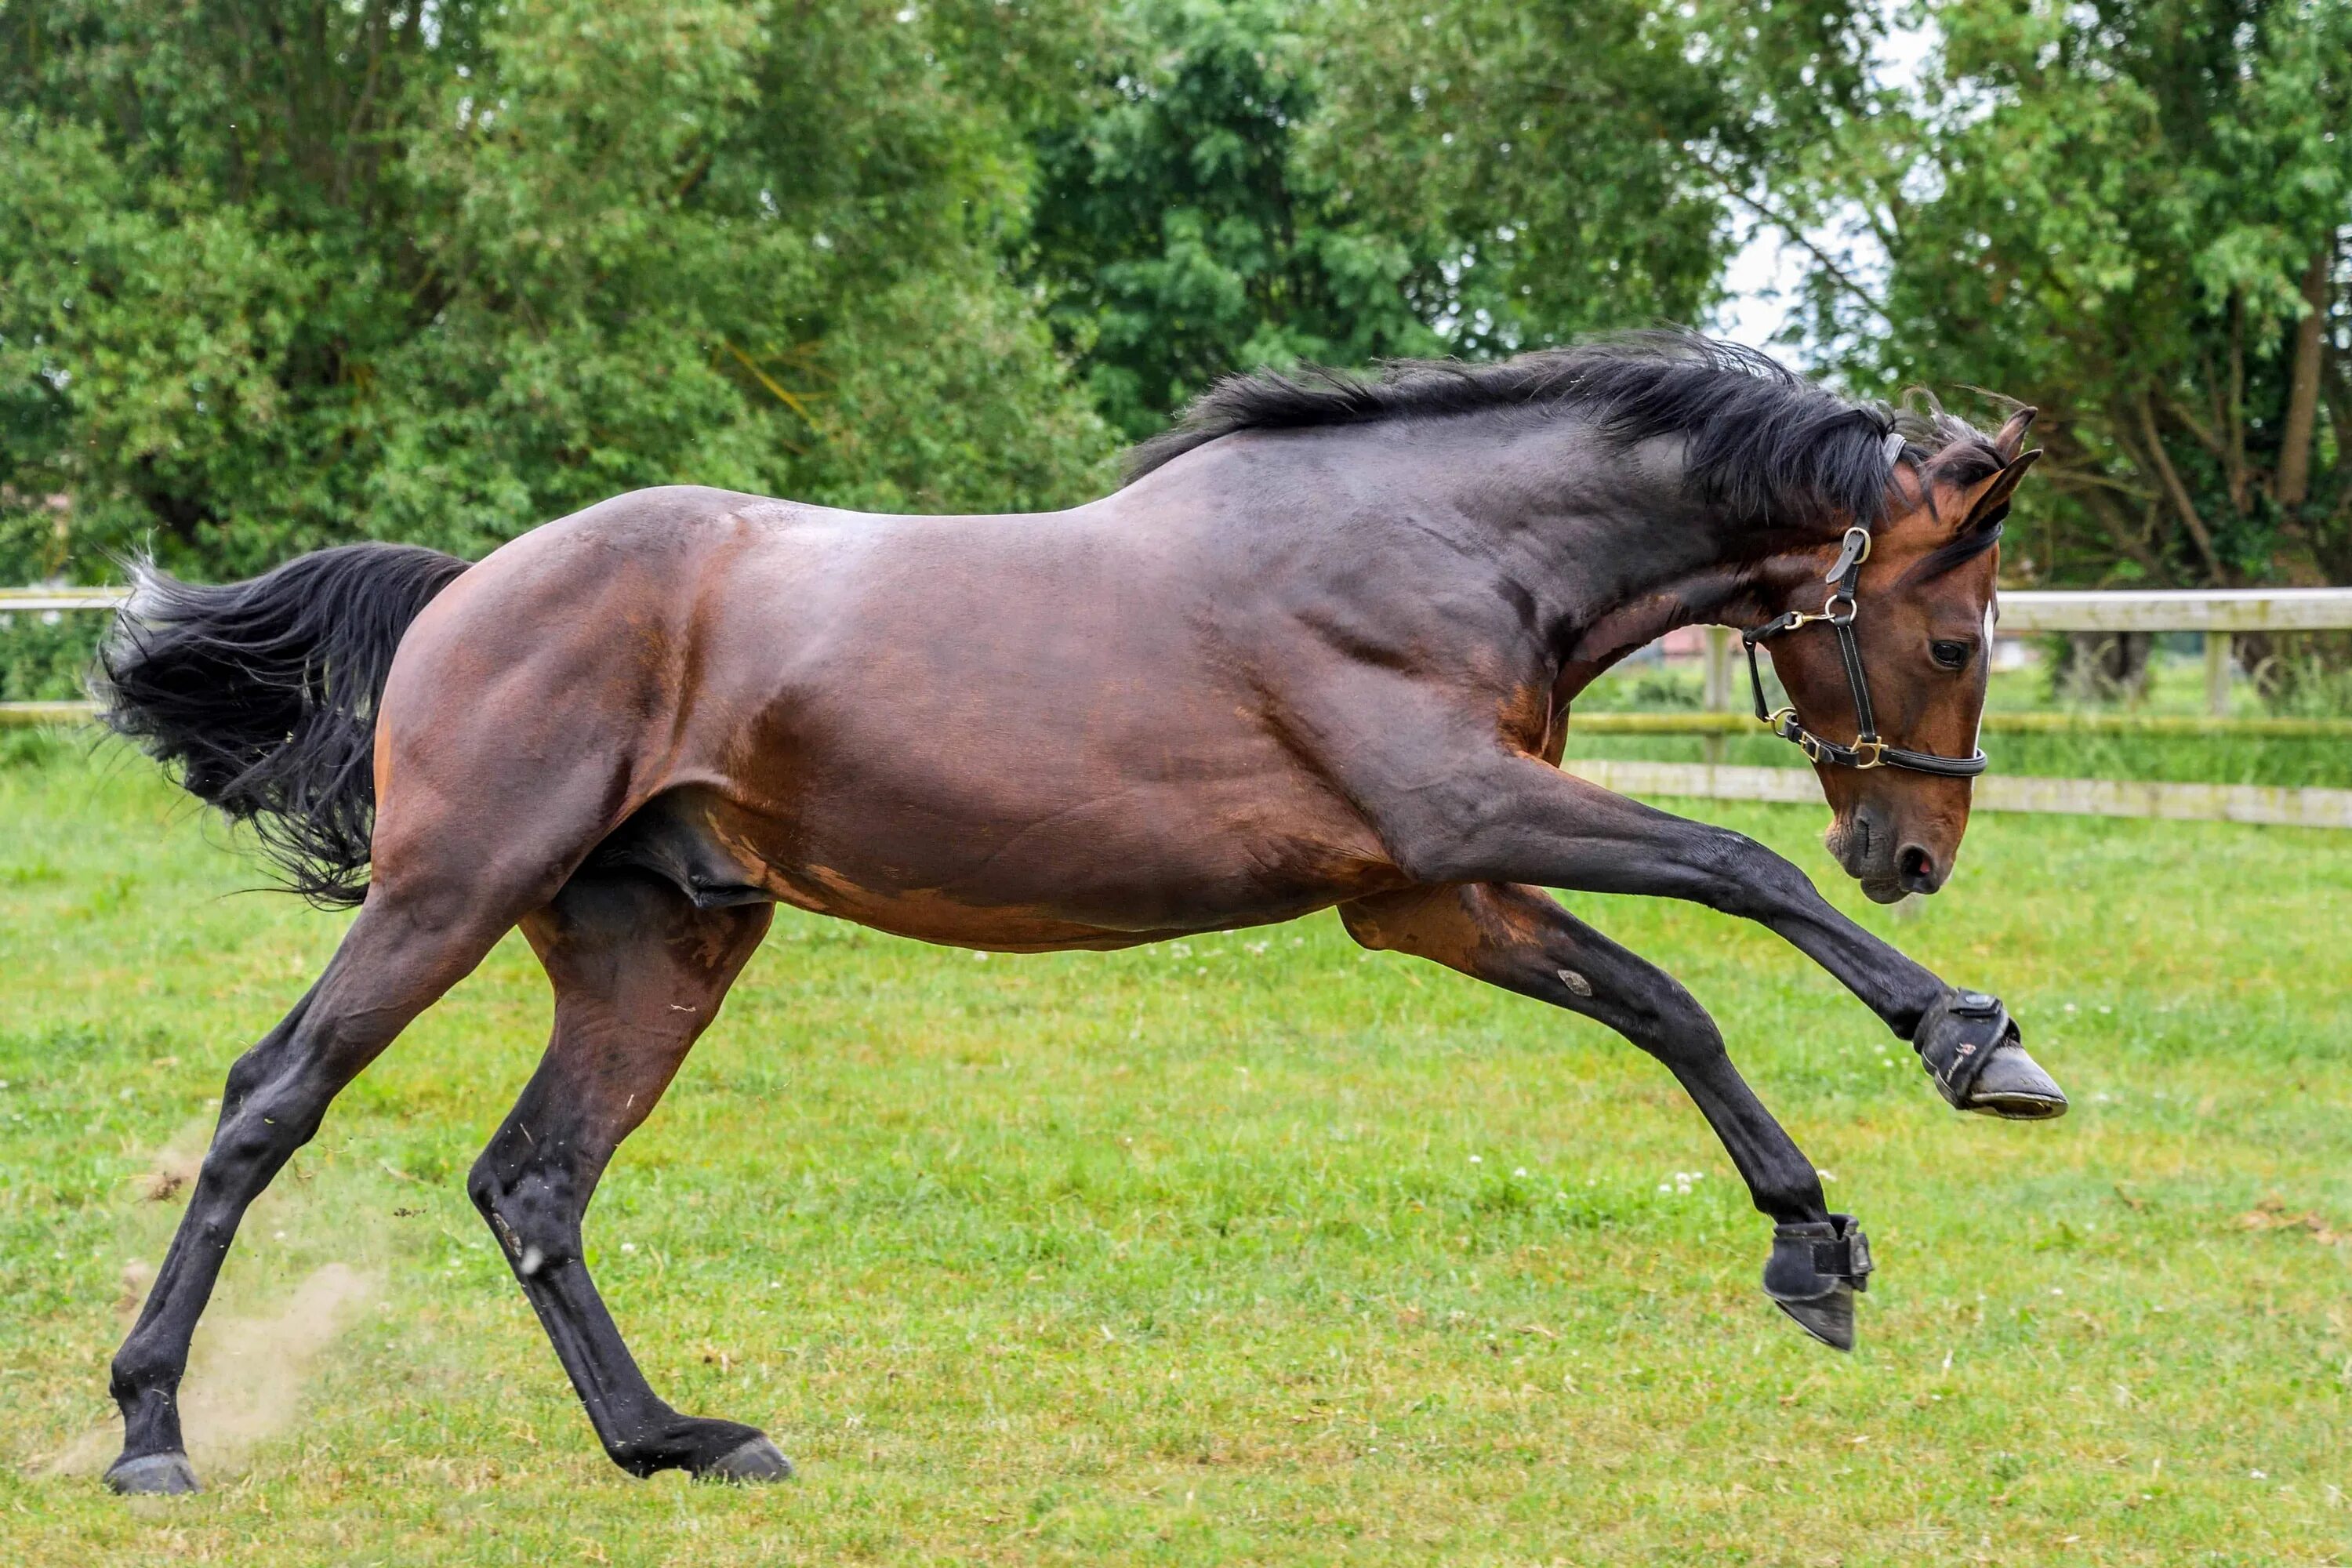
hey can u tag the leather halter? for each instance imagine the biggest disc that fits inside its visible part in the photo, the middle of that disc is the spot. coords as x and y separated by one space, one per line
1867 750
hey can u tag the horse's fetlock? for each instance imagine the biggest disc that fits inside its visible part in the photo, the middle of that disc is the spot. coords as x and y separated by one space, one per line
641 1457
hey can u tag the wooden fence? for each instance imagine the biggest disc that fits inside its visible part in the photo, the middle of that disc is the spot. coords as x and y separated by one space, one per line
2216 613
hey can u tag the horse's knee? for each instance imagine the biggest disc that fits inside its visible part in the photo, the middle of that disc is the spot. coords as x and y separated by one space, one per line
1652 1009
534 1209
138 1369
1677 1020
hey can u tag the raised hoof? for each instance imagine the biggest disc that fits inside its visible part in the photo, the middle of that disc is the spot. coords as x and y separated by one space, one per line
1971 1048
153 1475
2013 1086
1829 1319
1814 1270
755 1459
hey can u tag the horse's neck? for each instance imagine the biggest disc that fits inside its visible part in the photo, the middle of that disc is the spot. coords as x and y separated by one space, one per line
1620 552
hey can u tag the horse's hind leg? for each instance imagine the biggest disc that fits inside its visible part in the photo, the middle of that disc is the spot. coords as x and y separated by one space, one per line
1520 939
639 972
401 954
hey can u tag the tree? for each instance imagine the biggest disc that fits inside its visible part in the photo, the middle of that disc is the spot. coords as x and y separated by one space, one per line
1559 167
2133 214
275 273
1178 233
1269 181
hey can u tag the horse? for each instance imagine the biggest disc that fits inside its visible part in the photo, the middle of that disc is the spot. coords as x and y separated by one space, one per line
1319 650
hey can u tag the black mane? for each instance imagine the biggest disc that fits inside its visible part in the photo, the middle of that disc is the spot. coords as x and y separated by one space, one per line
1761 439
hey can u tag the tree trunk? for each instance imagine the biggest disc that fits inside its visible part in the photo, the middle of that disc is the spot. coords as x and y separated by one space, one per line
2198 534
2303 384
2103 666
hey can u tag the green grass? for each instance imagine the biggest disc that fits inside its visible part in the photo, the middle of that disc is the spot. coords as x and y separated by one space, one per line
1252 1249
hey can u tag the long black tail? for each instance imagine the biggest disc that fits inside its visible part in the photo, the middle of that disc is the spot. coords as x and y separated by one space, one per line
261 696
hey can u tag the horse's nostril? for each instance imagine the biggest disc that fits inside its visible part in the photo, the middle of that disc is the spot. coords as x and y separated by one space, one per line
1917 869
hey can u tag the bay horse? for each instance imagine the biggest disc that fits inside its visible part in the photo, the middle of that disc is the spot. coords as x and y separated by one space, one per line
1318 651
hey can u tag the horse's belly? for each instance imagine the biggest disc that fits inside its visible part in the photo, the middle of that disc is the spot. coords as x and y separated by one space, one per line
1132 867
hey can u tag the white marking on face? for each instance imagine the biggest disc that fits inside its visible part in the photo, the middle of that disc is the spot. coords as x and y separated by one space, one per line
1975 740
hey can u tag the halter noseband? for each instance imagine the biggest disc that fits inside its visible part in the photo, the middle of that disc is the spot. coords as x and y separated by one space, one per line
1867 750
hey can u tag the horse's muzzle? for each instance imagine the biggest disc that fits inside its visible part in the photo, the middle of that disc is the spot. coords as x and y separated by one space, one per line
1864 844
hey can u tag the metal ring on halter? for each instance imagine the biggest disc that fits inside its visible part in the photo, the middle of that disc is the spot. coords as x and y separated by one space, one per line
1829 610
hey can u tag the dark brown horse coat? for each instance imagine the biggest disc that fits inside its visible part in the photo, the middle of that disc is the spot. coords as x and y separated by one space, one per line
1320 653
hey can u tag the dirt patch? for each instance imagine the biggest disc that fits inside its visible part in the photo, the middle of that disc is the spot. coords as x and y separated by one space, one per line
2272 1214
174 1167
246 1375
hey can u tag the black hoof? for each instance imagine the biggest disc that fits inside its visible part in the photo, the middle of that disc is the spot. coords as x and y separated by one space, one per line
756 1459
2013 1086
153 1475
1814 1270
1829 1319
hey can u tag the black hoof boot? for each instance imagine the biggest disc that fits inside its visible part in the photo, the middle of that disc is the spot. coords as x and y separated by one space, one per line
1814 1270
153 1475
1968 1044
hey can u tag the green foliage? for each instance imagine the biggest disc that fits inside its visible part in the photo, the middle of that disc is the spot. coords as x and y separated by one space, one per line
1558 167
2132 214
44 656
1180 233
275 274
1267 180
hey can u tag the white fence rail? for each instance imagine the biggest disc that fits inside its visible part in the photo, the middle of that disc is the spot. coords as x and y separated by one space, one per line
2273 805
42 601
2209 610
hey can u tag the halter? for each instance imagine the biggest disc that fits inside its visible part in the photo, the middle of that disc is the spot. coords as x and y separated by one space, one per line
1867 750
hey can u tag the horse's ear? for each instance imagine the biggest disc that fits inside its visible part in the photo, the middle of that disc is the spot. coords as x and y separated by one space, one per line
2010 441
1991 498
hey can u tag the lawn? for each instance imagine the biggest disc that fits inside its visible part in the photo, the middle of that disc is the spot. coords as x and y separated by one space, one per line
1254 1248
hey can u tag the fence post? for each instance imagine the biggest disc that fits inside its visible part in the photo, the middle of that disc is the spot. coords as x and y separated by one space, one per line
2217 674
1718 696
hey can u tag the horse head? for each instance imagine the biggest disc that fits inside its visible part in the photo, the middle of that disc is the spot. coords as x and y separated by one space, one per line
1888 686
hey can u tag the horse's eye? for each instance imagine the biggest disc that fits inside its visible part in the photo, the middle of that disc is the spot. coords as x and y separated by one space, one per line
1951 655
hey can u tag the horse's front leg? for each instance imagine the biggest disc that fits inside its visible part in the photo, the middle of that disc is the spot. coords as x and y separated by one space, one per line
1519 939
1524 821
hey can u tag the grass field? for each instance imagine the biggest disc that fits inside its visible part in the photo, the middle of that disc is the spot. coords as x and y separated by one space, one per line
1254 1248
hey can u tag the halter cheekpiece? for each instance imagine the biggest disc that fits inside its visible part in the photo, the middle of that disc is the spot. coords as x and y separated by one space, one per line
1868 751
